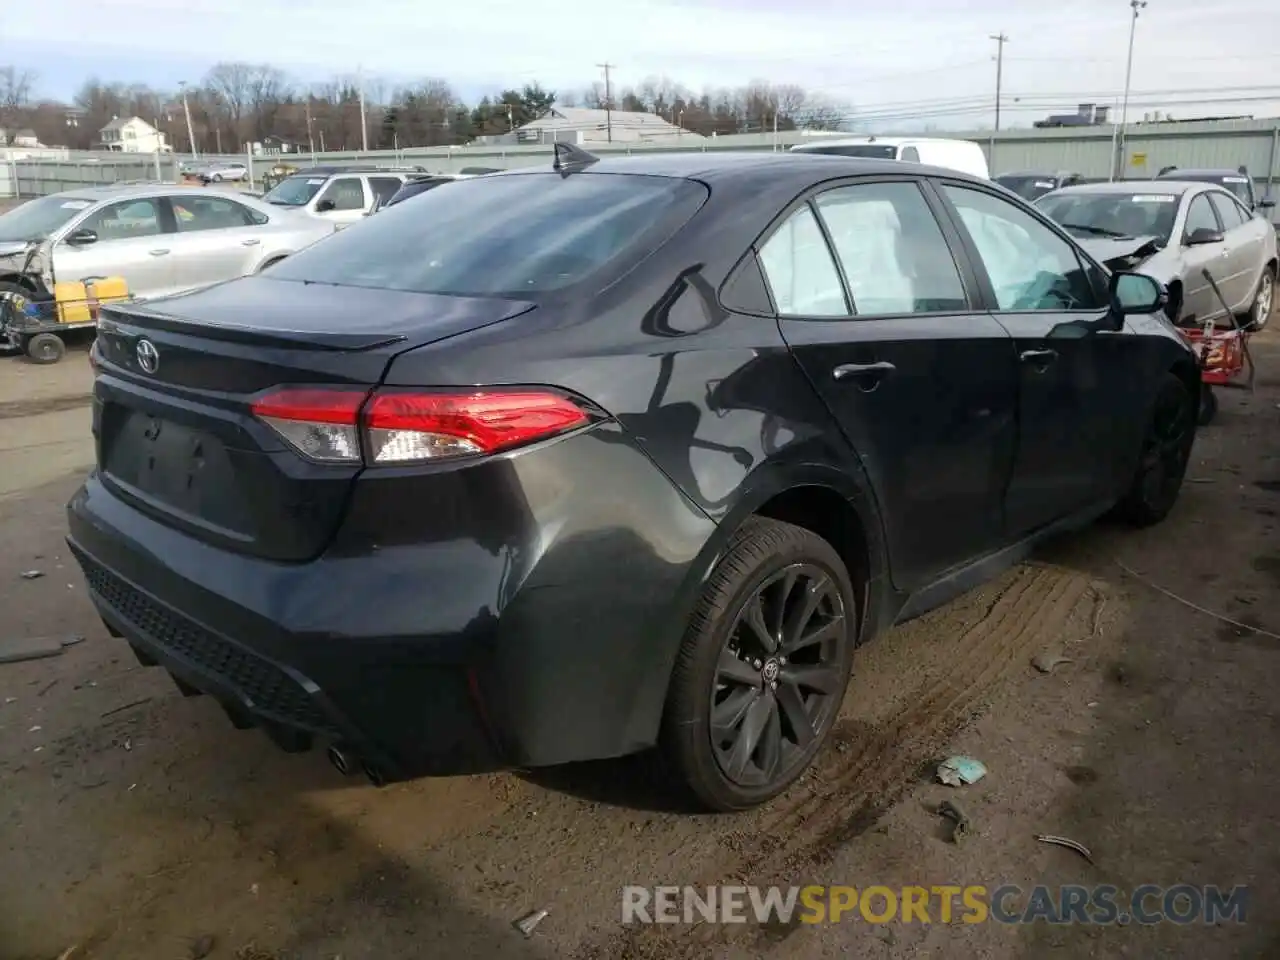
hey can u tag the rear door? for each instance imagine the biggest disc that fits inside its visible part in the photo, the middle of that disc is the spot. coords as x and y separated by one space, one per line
135 240
1199 299
217 239
1244 249
1071 367
923 382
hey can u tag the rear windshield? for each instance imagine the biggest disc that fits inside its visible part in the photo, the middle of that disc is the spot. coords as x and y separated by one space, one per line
875 151
503 235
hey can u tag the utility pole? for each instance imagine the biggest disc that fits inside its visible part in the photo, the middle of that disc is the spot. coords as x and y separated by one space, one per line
191 137
608 99
1000 40
311 138
364 127
1117 162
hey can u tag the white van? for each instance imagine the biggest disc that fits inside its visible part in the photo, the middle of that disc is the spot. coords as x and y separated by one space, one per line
963 155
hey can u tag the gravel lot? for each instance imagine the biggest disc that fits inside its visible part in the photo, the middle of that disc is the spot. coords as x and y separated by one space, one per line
139 824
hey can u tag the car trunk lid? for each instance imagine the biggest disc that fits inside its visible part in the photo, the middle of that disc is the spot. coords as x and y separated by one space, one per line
173 423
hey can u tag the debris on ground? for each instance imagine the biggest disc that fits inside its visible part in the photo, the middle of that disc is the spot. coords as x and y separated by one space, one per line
955 771
959 820
1195 606
529 922
35 648
32 574
1045 662
68 953
201 947
1067 842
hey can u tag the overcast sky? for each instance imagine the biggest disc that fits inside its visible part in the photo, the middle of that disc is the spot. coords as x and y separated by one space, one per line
904 58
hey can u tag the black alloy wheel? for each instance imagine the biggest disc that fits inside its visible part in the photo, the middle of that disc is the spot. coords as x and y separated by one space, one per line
763 667
1165 454
779 675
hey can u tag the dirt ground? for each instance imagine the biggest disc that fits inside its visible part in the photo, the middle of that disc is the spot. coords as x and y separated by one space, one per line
135 823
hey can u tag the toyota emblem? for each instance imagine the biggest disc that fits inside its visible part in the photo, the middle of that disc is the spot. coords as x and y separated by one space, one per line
148 356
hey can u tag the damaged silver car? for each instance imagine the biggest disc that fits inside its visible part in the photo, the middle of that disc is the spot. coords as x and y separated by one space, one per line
1173 231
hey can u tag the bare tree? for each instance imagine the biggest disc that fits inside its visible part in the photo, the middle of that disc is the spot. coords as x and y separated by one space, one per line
16 87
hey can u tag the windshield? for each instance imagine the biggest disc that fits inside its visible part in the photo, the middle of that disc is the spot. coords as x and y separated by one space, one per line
1114 215
1028 187
294 191
502 236
876 151
36 219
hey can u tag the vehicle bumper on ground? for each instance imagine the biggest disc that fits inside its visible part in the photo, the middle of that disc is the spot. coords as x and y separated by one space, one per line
420 655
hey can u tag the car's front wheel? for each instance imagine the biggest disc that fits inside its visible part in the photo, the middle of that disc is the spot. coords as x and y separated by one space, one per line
1166 450
763 667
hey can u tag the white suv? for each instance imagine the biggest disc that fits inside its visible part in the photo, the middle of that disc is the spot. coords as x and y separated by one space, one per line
340 196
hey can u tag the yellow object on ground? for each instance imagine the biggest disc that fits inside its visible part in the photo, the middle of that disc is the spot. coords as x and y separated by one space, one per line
78 301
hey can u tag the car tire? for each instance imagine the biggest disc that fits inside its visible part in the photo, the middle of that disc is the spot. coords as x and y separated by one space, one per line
216 178
44 348
1166 451
771 709
1264 301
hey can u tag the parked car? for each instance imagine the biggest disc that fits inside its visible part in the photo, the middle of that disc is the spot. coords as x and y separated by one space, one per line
415 186
963 155
161 240
1033 185
341 196
1238 181
219 171
560 464
1173 230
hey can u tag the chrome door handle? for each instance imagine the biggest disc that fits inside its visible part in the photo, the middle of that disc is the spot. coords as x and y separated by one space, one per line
873 372
250 243
1040 358
158 253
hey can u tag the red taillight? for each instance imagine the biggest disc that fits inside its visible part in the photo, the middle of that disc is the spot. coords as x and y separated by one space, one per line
403 426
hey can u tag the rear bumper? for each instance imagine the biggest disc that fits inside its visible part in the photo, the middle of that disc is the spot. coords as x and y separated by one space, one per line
426 655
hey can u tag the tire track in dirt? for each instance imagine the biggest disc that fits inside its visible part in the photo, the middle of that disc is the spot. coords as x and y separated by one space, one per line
839 799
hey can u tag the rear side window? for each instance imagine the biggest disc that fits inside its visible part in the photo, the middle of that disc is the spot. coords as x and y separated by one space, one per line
892 250
910 155
800 272
503 235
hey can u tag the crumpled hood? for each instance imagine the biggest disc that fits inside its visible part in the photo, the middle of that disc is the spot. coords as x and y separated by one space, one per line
11 248
1112 252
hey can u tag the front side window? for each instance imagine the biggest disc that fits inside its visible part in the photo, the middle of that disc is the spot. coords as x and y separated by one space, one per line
892 250
193 213
512 235
1031 268
345 193
1228 210
1200 216
126 219
798 267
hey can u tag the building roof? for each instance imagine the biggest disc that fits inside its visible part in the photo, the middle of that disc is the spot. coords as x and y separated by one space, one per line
595 124
119 123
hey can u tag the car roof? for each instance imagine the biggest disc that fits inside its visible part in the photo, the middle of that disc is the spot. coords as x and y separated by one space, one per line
871 139
1196 174
1033 173
1123 187
744 165
125 191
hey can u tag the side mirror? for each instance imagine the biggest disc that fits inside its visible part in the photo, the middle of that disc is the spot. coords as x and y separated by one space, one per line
82 238
1202 235
1265 204
324 206
1133 293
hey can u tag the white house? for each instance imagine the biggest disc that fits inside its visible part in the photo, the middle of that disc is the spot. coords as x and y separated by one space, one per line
132 135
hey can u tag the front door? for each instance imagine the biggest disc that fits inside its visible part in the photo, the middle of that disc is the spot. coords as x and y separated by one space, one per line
134 241
921 381
1069 359
343 200
1199 300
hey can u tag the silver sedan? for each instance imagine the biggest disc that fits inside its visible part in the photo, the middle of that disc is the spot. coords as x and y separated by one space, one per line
1174 231
161 239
